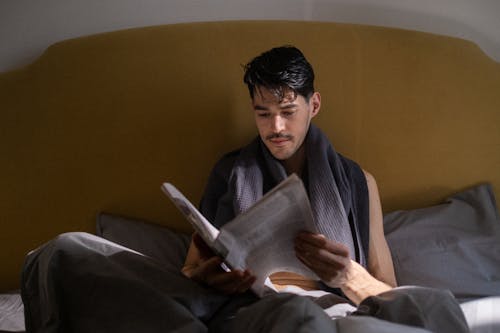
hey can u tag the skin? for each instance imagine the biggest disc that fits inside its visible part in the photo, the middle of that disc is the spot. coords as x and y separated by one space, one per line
330 260
282 126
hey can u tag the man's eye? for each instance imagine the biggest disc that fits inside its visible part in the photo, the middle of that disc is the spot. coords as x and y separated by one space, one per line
288 113
263 115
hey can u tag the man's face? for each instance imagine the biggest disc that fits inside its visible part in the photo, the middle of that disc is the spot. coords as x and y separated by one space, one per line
283 125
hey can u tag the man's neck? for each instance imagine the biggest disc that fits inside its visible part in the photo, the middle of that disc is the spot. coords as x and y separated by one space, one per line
295 164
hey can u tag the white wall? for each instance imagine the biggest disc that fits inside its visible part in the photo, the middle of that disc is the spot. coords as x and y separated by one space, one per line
27 27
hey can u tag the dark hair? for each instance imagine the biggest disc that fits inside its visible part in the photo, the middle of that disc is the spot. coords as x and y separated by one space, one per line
279 70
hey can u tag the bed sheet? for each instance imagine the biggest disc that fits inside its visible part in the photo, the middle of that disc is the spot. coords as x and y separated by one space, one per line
11 313
483 315
101 273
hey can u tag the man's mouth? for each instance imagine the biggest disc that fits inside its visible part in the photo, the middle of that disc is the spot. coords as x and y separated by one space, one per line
279 139
279 136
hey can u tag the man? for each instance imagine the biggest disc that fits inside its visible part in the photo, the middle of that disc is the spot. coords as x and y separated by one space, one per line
355 263
281 87
81 283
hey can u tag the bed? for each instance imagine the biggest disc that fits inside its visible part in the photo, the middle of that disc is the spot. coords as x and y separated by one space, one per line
429 245
97 123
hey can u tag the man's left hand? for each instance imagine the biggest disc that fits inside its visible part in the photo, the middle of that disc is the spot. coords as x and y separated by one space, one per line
328 259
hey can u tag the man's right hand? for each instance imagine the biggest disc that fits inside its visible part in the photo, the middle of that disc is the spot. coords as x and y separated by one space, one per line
205 267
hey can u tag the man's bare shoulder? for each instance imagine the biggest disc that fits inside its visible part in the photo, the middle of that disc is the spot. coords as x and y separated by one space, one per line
370 179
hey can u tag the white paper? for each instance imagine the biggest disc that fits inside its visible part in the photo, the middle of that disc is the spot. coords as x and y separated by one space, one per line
262 238
202 226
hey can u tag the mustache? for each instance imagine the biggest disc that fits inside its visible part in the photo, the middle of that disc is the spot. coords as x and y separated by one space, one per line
279 136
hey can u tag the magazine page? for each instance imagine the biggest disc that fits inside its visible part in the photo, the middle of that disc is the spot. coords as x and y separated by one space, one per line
262 238
200 224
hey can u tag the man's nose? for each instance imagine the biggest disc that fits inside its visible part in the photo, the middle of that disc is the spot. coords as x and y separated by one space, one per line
278 124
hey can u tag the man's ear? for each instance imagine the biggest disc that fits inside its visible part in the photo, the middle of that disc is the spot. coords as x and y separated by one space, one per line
315 102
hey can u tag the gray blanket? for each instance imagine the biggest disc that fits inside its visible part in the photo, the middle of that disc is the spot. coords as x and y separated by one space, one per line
82 283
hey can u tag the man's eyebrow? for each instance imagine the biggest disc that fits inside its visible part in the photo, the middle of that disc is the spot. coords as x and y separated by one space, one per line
288 106
260 107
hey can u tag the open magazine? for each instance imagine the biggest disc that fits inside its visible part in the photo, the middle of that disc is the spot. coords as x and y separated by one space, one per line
261 239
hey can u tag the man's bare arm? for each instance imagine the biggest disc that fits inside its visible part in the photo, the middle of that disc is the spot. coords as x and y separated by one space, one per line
380 263
331 260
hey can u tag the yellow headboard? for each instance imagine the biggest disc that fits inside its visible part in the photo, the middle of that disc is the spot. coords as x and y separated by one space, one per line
98 123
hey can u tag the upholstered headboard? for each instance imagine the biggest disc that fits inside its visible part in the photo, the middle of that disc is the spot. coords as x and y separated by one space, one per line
98 123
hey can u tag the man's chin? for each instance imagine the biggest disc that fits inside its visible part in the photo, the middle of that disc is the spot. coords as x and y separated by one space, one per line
281 155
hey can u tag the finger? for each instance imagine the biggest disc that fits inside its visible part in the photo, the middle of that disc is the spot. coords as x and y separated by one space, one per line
323 260
324 272
309 241
324 276
246 283
237 282
206 268
312 238
225 281
211 265
321 254
203 248
211 273
320 241
304 260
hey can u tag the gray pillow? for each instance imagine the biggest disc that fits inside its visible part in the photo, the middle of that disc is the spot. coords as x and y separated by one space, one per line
158 242
455 245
